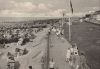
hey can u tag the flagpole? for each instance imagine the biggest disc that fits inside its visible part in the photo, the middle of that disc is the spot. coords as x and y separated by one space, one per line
70 21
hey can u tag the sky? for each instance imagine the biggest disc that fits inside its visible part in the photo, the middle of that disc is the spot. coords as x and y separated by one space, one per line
46 8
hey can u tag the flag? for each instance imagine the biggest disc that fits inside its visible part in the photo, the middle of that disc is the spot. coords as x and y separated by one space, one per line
71 6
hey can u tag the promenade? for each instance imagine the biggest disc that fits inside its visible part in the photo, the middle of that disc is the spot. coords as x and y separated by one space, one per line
58 50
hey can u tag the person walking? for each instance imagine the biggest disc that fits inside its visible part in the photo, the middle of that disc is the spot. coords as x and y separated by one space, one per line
68 55
42 62
51 64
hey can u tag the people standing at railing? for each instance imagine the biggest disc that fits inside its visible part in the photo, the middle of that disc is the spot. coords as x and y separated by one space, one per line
72 57
75 49
68 55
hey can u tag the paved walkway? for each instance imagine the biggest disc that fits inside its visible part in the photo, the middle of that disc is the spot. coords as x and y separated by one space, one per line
58 51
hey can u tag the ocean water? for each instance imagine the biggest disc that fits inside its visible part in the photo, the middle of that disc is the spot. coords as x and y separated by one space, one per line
12 20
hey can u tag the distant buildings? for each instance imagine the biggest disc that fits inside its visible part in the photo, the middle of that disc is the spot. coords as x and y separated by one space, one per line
96 15
93 17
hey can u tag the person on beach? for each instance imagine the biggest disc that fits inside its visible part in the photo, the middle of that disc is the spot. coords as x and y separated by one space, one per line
51 64
11 63
54 30
19 43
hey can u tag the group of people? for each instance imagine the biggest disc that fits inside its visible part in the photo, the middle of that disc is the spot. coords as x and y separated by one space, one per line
75 58
11 57
17 35
59 32
71 54
20 52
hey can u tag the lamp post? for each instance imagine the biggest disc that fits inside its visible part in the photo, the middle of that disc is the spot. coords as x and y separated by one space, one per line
70 23
62 21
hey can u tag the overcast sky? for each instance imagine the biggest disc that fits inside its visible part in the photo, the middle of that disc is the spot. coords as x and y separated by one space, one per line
41 8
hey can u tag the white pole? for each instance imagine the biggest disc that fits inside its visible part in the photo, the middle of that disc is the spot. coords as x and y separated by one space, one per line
69 29
62 21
